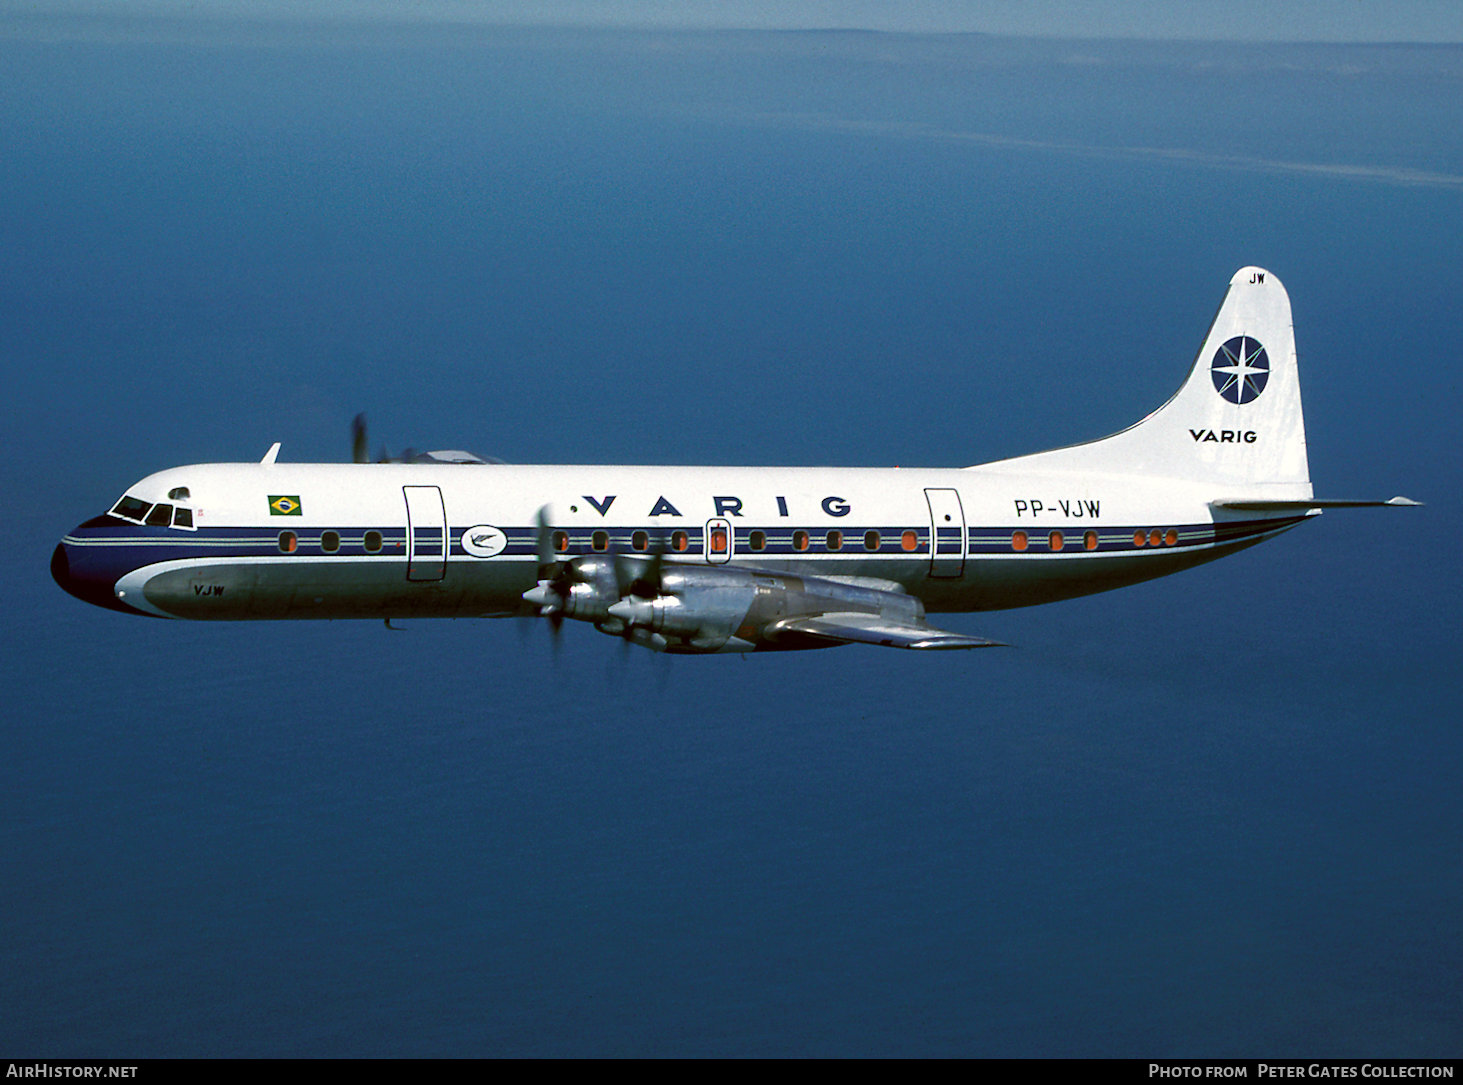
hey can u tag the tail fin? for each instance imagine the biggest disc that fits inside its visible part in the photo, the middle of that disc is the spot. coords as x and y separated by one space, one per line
1235 422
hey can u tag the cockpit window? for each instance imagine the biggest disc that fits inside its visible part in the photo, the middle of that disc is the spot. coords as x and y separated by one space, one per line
129 508
141 512
178 493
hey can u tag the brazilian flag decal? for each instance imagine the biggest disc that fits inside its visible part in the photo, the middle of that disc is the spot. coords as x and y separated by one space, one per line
285 505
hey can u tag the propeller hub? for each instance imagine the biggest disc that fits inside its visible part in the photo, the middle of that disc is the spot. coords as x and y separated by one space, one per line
633 611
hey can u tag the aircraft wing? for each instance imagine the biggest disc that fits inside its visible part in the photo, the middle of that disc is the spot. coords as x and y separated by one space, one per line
1260 505
859 628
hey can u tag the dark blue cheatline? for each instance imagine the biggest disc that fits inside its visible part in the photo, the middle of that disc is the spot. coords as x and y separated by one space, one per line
103 549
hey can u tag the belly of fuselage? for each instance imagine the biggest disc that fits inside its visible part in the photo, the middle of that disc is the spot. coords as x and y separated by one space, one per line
991 583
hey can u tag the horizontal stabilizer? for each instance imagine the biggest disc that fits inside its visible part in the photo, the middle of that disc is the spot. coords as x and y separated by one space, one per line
857 628
1253 505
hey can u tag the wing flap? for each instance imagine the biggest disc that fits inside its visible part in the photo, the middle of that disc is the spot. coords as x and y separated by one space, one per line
859 628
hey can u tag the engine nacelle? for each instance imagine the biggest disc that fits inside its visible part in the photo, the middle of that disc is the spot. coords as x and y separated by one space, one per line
584 589
703 609
698 610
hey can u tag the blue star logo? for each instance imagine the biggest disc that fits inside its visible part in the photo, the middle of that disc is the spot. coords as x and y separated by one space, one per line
1240 369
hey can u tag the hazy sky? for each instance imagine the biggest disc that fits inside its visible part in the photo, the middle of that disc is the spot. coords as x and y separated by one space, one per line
1268 20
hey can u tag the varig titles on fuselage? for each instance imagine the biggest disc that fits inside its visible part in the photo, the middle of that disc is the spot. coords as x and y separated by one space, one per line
722 504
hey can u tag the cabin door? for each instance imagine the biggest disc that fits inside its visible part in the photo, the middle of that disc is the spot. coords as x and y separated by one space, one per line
947 533
426 533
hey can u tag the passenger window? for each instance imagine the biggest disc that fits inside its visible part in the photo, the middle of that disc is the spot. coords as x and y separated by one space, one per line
799 540
372 542
680 540
640 540
835 540
160 516
600 540
871 540
329 541
757 540
909 540
288 543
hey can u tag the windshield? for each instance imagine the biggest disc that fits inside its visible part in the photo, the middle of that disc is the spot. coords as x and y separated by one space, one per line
135 510
130 508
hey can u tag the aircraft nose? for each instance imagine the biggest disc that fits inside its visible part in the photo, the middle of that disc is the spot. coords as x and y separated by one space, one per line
61 568
96 587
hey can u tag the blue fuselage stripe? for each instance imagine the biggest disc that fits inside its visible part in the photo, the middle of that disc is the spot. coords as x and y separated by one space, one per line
147 545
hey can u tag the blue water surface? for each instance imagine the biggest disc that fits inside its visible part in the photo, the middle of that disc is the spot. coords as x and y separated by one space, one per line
1212 815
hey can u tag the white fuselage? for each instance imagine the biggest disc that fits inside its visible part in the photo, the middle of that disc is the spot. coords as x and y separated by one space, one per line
958 539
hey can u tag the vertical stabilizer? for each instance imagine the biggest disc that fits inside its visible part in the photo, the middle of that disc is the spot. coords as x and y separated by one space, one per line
1236 421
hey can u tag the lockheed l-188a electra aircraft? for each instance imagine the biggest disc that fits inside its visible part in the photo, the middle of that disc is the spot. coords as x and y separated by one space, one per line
729 559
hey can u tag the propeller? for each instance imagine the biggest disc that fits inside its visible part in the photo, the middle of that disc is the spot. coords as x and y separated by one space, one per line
640 582
361 450
635 581
544 539
555 578
641 578
359 441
